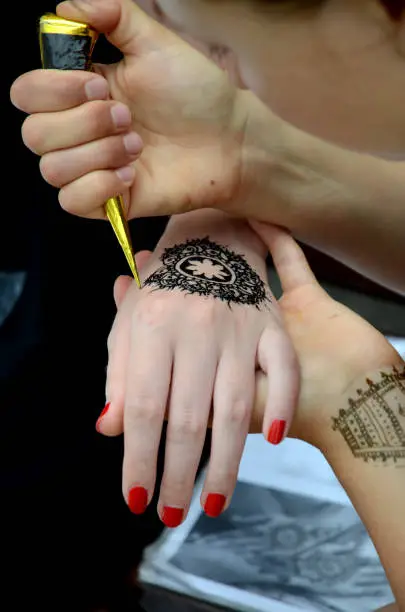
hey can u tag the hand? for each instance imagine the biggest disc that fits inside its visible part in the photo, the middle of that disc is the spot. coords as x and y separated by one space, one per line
170 102
184 353
335 346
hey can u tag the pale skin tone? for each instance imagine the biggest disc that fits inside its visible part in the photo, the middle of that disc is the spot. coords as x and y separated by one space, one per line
172 348
337 73
333 369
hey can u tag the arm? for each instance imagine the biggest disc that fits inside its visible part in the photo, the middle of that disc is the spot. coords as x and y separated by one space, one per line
365 446
349 205
373 475
352 401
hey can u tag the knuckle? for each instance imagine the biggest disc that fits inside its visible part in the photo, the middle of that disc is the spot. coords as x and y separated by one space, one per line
94 115
64 85
205 312
242 321
189 426
152 311
143 409
111 153
239 412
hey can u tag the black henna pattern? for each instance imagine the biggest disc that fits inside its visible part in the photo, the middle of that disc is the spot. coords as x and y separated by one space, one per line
373 423
208 269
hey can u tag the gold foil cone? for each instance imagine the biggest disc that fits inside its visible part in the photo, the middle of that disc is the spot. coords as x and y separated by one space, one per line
52 24
114 209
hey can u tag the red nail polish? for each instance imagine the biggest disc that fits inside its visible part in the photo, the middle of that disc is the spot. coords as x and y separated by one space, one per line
214 504
103 413
138 500
276 432
172 517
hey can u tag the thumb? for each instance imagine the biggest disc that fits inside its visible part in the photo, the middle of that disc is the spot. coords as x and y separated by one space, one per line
289 260
127 26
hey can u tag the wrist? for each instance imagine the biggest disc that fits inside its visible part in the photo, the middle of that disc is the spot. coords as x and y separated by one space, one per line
296 180
218 226
263 164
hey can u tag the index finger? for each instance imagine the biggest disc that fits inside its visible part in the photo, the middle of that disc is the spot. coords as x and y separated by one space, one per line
45 91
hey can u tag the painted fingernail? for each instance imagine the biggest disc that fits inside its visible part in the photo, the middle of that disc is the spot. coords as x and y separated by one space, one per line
132 143
172 517
214 504
126 174
121 115
96 89
138 500
276 432
103 413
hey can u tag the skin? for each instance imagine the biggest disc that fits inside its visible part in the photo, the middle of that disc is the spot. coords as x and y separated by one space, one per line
303 65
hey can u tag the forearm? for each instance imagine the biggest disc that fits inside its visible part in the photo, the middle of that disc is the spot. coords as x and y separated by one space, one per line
346 204
362 436
365 446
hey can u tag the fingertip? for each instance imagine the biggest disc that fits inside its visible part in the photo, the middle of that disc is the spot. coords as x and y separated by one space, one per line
279 362
214 504
99 422
108 423
138 500
277 431
102 15
133 144
172 516
14 94
96 88
126 175
17 96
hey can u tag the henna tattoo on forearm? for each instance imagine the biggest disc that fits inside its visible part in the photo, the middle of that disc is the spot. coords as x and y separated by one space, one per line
373 425
208 269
